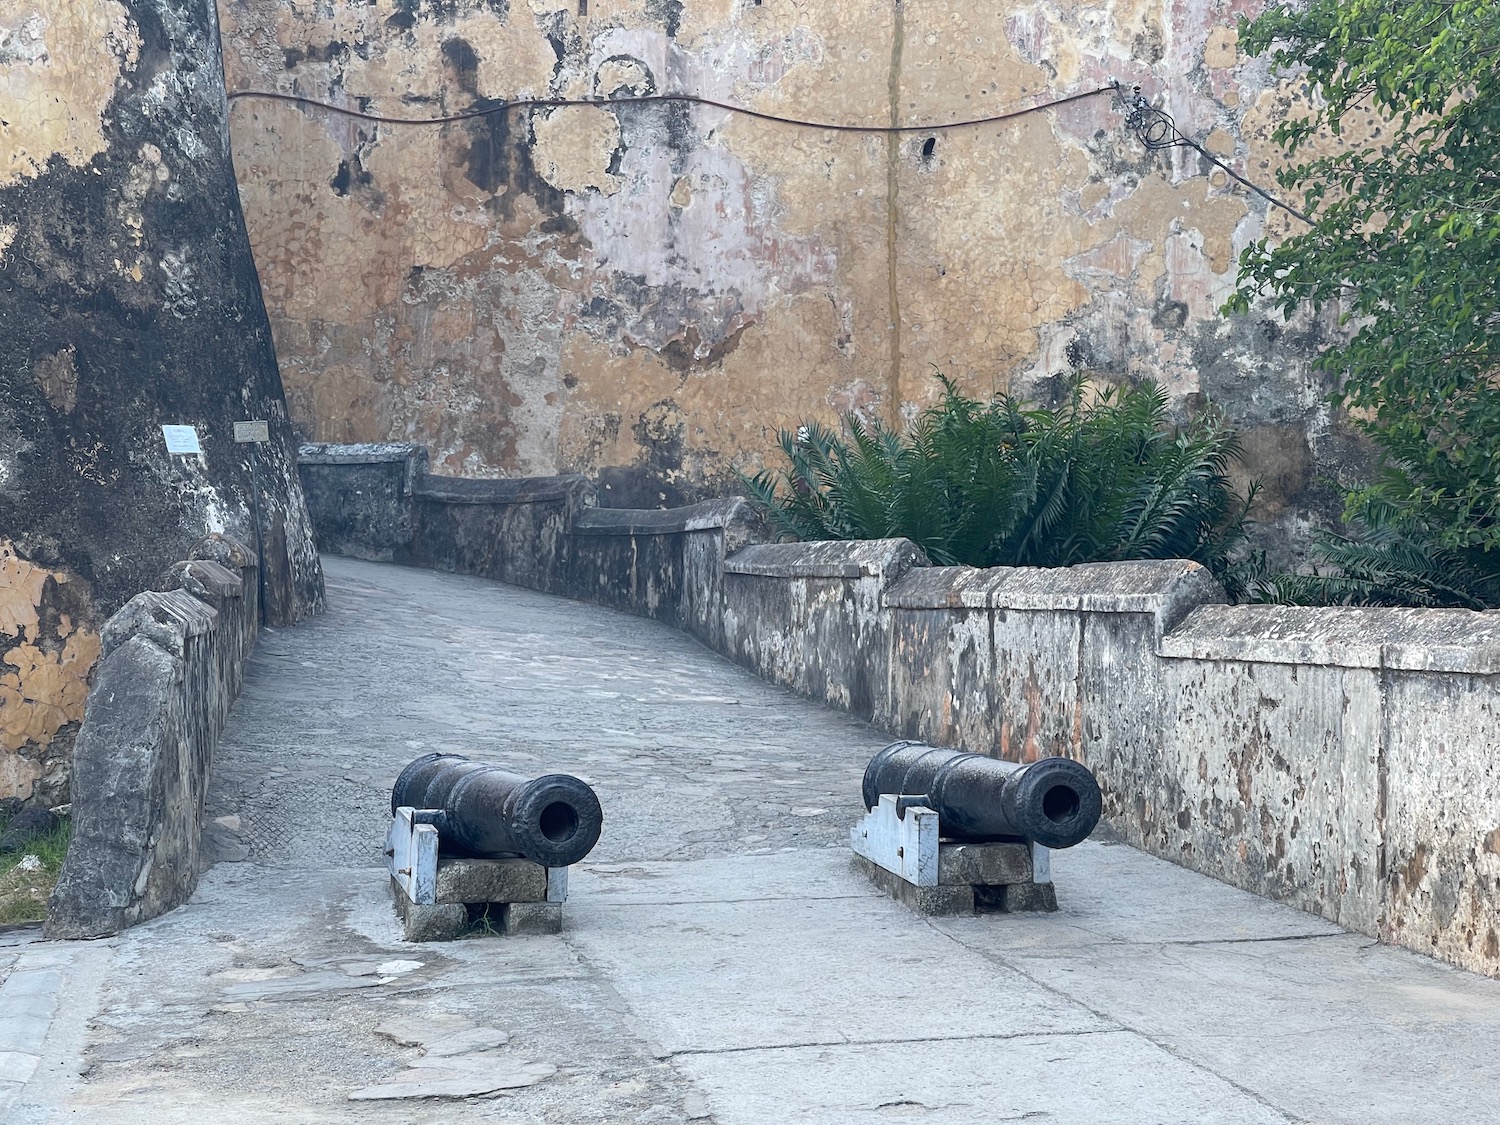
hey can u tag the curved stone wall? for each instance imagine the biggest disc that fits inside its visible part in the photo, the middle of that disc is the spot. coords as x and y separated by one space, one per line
128 300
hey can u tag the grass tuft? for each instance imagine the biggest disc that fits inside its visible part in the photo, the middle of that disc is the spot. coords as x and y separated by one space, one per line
24 887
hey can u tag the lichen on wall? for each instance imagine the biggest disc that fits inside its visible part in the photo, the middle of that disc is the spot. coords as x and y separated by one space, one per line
647 293
48 647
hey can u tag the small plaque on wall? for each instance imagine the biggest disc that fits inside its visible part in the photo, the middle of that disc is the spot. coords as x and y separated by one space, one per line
252 431
181 439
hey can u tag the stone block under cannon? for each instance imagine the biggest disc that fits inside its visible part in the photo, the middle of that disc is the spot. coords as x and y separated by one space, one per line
471 842
949 832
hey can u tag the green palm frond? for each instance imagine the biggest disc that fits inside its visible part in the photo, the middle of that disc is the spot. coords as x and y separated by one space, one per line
1390 559
1003 483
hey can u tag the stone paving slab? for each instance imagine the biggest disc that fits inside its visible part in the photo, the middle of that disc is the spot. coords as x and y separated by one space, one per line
708 976
1331 1029
1117 894
756 876
718 925
1110 1078
28 1000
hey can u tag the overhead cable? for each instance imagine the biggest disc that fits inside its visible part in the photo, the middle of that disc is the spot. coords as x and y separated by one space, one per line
658 99
1153 127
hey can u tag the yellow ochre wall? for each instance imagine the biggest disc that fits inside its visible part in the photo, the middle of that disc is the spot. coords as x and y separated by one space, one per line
647 293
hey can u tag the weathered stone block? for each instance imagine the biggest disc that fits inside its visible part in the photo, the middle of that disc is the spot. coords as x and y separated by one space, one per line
206 580
130 857
490 880
996 864
531 917
1017 898
225 550
172 668
924 900
439 922
436 922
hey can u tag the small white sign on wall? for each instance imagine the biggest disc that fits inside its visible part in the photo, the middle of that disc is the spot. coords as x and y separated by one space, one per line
181 439
246 432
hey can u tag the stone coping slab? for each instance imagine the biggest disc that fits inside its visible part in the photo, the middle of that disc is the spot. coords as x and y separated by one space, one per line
360 453
705 516
1167 590
1416 640
507 490
834 559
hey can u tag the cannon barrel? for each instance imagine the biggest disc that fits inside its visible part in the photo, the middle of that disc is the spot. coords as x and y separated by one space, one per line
1054 801
486 811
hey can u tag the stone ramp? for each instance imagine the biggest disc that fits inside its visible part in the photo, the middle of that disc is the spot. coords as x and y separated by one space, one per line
720 960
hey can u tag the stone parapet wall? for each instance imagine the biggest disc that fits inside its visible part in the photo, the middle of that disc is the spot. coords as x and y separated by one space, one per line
810 616
545 533
173 664
1367 742
1345 761
666 564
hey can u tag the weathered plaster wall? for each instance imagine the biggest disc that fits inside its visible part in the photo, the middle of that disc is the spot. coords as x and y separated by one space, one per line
128 299
646 294
46 652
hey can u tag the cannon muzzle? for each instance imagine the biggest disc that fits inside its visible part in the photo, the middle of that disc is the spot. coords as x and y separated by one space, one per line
487 811
1054 801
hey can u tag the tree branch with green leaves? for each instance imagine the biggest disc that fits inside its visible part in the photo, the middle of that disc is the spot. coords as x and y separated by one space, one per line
1405 244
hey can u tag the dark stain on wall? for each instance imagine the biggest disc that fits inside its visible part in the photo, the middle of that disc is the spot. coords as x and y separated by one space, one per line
156 55
351 173
640 87
463 61
656 479
92 490
1299 462
669 12
330 52
1169 315
557 40
408 12
498 156
681 354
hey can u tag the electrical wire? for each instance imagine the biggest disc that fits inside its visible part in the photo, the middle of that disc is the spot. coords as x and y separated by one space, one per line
658 99
1156 130
1153 127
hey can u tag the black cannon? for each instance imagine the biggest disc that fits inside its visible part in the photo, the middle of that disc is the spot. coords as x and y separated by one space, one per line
1054 801
488 812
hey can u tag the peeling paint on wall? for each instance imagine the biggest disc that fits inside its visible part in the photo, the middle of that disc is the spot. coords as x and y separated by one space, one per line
62 62
576 147
47 650
647 293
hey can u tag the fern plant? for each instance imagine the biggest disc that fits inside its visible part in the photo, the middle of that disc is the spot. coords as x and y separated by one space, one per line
999 483
1390 559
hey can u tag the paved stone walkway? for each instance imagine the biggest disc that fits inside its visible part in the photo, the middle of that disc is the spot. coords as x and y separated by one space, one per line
720 961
